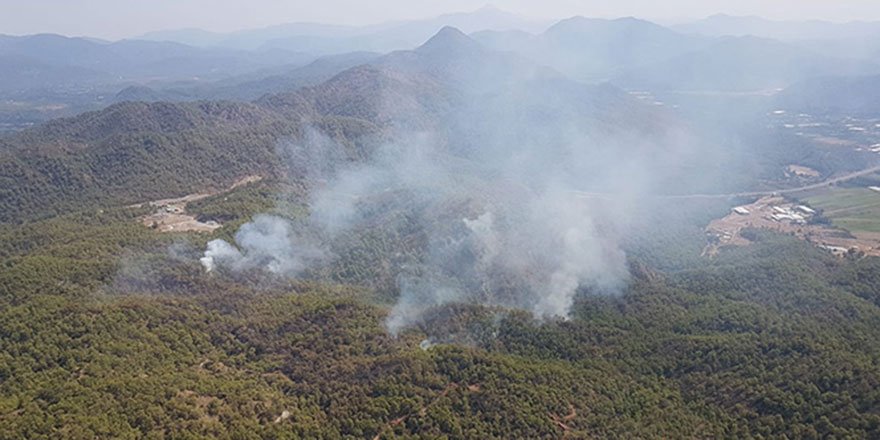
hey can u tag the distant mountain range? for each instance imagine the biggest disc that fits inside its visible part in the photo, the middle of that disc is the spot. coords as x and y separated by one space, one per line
641 55
632 53
321 39
854 95
134 60
595 49
740 64
253 85
133 151
859 39
48 76
728 25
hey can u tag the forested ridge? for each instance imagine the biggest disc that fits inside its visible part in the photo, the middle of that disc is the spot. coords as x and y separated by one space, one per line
134 152
110 329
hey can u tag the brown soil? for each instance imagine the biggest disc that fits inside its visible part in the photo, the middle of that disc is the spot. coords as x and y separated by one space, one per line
171 216
727 231
802 171
562 421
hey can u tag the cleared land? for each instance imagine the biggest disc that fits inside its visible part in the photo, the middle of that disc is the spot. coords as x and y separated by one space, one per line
775 213
802 171
171 216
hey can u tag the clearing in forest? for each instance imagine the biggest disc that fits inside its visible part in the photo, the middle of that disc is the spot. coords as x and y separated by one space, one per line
171 215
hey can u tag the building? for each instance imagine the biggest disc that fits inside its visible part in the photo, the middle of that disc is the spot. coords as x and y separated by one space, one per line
806 210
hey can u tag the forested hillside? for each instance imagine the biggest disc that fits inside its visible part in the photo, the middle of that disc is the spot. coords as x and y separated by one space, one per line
449 242
135 152
138 341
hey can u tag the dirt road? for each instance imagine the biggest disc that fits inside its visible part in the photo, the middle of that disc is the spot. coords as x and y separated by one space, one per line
823 184
171 216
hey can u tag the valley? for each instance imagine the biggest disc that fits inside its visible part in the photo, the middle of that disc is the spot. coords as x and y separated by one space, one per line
473 226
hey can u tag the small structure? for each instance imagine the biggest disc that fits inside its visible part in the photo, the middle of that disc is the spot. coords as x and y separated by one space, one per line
788 217
780 217
741 210
806 209
874 188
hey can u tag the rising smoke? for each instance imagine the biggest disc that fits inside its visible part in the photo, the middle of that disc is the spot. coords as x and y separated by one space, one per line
494 195
268 243
529 247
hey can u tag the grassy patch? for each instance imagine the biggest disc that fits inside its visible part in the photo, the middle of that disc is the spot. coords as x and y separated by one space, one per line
854 209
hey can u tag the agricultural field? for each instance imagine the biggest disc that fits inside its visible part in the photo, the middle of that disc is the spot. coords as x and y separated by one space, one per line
854 209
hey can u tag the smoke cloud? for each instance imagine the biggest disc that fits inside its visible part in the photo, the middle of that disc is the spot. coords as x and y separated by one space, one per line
267 243
493 191
490 240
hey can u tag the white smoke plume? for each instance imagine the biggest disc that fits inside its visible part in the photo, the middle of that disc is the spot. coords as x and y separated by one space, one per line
537 260
492 190
267 243
529 245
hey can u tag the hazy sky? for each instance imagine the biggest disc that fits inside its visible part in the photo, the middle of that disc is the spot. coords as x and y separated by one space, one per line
125 18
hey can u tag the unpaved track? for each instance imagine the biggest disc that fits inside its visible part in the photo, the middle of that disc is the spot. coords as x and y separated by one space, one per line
171 214
823 184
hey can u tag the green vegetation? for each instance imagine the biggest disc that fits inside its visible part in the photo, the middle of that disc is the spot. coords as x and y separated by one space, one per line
109 329
136 152
853 209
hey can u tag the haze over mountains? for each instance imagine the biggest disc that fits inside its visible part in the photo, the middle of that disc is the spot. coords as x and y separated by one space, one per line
727 25
452 84
578 68
321 39
426 88
469 227
45 76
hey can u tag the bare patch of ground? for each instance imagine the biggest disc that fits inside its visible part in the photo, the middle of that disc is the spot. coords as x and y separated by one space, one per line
835 141
802 171
170 222
776 214
563 421
171 216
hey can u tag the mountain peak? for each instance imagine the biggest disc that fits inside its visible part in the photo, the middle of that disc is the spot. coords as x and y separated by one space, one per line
449 32
449 39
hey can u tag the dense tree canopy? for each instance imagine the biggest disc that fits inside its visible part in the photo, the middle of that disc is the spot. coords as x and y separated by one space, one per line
110 329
